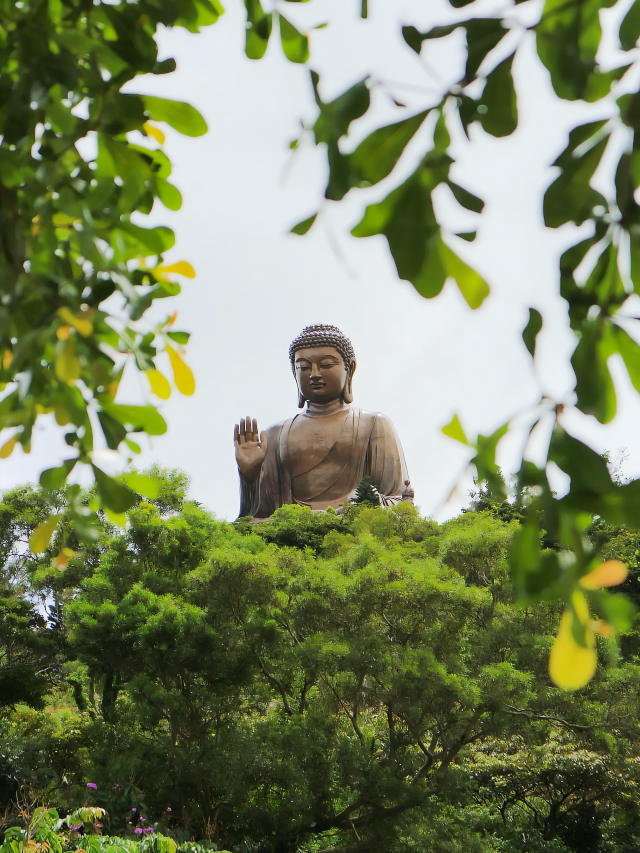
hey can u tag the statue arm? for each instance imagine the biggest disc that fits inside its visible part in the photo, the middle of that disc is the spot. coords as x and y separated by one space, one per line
385 462
259 494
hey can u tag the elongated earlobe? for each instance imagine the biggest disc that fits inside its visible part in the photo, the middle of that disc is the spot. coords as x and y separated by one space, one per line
347 391
301 400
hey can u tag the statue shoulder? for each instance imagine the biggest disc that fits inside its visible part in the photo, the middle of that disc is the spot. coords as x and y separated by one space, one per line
274 430
379 420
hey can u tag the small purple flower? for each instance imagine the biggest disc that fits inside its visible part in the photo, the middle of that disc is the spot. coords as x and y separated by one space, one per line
168 808
147 830
134 809
138 830
116 786
92 785
75 827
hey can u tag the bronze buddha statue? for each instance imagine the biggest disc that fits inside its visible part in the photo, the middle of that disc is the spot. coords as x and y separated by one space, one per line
318 458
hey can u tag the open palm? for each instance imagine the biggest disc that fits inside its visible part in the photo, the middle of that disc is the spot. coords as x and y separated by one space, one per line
251 449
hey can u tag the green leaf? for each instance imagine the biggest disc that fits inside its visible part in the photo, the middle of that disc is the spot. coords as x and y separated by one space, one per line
54 478
470 283
304 226
336 116
454 430
181 338
169 195
376 155
131 240
258 29
182 117
483 34
594 385
587 469
499 98
114 495
630 28
414 37
570 198
630 352
568 38
407 220
599 83
138 418
532 330
143 485
134 170
432 275
294 44
465 198
113 430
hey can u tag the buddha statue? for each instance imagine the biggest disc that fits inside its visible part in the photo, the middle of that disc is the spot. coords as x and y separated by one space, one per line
318 458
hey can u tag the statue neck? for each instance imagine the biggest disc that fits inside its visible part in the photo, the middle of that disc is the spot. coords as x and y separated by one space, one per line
322 410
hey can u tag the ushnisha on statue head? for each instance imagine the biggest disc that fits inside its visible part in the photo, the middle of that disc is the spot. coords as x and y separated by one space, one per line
323 363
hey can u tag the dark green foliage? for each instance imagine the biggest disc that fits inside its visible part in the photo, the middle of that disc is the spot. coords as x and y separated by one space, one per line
366 493
299 527
280 685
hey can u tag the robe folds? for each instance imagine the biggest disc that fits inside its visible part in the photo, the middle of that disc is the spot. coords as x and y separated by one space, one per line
367 444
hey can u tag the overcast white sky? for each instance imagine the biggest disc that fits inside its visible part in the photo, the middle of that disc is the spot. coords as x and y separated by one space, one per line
419 361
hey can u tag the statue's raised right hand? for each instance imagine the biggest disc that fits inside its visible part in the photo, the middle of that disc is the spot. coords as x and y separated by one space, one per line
250 450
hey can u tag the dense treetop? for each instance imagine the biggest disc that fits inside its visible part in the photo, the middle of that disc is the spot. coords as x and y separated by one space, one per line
362 682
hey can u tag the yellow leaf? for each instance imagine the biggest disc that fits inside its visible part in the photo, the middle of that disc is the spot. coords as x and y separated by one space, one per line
41 536
82 325
610 573
182 375
63 332
154 131
7 448
68 366
572 666
179 268
172 319
159 384
7 358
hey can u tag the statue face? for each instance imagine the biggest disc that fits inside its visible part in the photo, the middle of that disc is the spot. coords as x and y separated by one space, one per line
320 373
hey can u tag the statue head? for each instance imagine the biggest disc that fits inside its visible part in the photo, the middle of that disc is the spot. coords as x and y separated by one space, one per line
323 363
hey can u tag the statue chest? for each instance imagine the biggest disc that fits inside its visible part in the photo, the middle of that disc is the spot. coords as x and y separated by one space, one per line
311 440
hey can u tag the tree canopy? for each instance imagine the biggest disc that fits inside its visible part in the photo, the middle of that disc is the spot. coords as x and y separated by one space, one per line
367 686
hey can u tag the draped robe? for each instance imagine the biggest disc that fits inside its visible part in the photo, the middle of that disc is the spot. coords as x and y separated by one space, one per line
367 444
